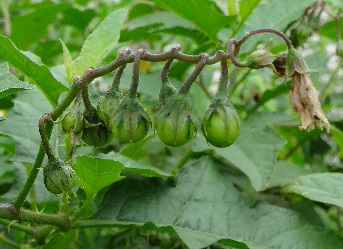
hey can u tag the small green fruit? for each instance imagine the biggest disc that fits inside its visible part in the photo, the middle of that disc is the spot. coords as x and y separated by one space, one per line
183 133
218 133
58 176
176 124
73 122
221 126
130 122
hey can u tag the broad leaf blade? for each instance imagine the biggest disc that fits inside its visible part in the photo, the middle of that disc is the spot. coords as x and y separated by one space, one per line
96 173
204 207
39 73
100 41
22 123
68 63
205 14
10 84
321 187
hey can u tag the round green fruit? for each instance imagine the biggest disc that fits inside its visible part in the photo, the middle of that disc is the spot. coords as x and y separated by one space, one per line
72 122
127 134
175 136
96 136
218 132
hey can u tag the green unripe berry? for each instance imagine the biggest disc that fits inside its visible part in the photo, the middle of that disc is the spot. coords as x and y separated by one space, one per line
175 137
129 135
73 122
218 133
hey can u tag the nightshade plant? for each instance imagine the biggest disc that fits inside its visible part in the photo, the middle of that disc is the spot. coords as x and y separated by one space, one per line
154 163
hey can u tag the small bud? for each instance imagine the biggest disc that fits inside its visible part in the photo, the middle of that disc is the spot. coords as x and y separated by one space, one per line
176 124
73 122
59 177
130 122
221 125
260 58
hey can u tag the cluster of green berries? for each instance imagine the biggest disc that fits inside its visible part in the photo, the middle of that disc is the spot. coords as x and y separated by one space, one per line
124 118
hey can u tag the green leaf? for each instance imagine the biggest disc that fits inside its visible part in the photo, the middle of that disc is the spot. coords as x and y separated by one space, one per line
246 7
39 73
131 165
10 84
284 87
100 41
254 152
60 240
30 28
68 63
204 207
276 14
322 187
96 173
22 123
284 173
337 136
205 14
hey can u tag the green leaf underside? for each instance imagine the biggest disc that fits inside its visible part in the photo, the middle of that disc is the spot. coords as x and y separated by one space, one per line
22 124
96 173
322 187
40 74
255 151
206 15
100 41
10 84
204 207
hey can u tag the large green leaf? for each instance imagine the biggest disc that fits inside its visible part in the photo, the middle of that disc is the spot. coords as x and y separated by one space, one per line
39 73
322 187
204 207
10 84
100 41
22 123
205 14
31 27
96 173
255 151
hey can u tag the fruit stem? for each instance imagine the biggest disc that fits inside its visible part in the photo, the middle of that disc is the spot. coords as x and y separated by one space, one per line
164 74
135 73
191 78
117 77
45 140
224 79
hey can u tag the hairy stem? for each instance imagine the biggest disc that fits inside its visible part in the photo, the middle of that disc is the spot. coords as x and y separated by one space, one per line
191 78
45 140
7 211
15 225
135 73
224 79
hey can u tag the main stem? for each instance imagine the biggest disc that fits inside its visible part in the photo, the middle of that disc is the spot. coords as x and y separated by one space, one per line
18 202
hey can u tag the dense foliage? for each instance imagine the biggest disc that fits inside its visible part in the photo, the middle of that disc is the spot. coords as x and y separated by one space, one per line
106 142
